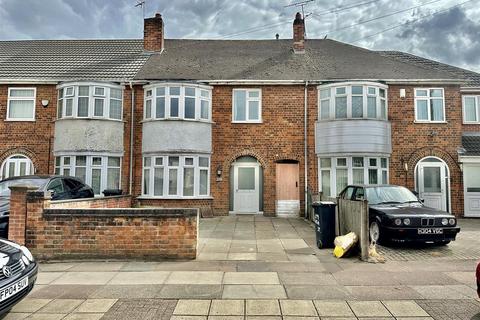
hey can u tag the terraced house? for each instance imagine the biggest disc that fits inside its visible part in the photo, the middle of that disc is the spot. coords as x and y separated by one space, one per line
247 126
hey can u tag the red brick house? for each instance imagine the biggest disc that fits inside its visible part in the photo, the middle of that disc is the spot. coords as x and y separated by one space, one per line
239 126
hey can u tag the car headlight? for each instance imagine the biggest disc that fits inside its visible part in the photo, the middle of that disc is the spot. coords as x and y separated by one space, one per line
452 221
406 222
444 221
25 260
398 222
27 253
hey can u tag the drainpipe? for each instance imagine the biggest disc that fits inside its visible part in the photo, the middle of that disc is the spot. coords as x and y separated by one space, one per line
305 137
132 120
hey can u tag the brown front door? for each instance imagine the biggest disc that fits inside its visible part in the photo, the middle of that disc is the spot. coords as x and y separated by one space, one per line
287 186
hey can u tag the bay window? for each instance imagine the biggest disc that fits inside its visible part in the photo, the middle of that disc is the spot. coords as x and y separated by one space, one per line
471 109
429 105
176 176
90 100
247 105
177 101
98 171
353 100
21 104
335 173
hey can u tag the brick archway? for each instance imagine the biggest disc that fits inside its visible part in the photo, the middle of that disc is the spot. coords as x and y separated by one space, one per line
244 153
424 152
19 151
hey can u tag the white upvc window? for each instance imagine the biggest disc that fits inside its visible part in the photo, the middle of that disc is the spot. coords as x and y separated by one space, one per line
176 176
429 105
177 101
21 104
471 109
247 106
90 100
335 173
101 172
352 100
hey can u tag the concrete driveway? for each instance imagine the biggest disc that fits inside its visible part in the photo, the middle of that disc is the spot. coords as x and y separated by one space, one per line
251 266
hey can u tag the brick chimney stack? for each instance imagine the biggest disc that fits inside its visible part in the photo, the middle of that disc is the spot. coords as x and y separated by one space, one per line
153 33
298 34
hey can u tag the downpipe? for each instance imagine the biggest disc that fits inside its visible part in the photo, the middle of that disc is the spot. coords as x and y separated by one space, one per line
305 137
132 122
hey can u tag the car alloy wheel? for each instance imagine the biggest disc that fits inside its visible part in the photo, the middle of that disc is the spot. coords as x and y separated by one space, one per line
374 231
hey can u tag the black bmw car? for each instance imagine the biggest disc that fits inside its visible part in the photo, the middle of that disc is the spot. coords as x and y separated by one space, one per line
18 273
61 187
397 215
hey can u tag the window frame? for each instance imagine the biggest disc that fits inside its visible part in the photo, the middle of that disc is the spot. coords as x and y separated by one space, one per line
180 176
247 109
332 87
477 108
428 98
33 99
92 97
72 166
181 101
349 166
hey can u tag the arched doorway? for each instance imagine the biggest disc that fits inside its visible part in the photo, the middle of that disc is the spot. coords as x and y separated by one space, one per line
432 182
246 186
16 165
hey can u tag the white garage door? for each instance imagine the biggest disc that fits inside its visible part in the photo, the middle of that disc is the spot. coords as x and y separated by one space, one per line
471 178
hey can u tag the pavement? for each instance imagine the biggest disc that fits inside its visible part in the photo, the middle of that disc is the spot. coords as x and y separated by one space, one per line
251 267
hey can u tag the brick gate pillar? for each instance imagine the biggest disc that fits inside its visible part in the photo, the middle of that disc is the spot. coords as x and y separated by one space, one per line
18 213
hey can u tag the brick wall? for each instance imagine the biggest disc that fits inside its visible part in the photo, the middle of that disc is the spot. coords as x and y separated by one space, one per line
413 141
57 233
91 203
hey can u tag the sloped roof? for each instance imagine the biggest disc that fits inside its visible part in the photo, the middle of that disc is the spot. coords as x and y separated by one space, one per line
473 78
324 59
60 60
471 143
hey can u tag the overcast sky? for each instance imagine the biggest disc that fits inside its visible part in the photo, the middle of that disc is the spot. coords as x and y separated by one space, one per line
451 36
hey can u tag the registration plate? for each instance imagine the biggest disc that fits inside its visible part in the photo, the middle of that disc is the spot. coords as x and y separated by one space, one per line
13 289
430 231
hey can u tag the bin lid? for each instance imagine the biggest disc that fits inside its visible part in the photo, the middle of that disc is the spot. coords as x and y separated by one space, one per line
327 203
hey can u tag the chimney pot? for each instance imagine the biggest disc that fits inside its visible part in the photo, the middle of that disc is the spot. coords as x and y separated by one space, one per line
277 36
153 35
299 34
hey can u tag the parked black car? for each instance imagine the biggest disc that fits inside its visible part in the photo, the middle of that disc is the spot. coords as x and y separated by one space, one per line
18 273
397 215
62 188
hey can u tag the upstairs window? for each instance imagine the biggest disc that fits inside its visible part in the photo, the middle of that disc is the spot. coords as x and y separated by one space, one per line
471 109
21 104
352 101
247 105
429 105
177 101
90 101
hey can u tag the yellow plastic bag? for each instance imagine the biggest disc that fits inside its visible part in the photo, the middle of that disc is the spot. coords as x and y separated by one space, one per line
344 243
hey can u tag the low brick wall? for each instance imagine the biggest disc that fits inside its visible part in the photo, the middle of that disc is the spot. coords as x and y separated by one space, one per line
65 230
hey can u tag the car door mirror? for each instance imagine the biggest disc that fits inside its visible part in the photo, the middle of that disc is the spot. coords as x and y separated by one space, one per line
421 200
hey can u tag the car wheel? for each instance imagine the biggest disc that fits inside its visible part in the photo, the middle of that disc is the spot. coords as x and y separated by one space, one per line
375 235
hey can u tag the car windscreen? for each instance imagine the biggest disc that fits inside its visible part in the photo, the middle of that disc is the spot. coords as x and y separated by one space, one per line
5 191
390 194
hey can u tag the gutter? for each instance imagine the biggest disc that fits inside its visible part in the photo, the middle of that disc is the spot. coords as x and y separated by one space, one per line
132 119
305 137
469 89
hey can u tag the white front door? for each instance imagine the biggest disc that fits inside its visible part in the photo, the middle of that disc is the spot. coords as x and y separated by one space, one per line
246 188
471 179
16 166
432 184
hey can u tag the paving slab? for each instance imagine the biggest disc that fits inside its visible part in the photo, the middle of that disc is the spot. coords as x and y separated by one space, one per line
307 278
55 267
96 305
146 277
126 292
438 292
241 256
260 291
188 318
85 278
369 309
61 306
333 309
263 318
141 309
406 308
300 318
95 266
47 277
64 291
226 317
185 291
16 316
251 278
30 305
227 308
198 277
84 316
192 307
303 308
366 278
317 292
383 292
262 308
47 316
